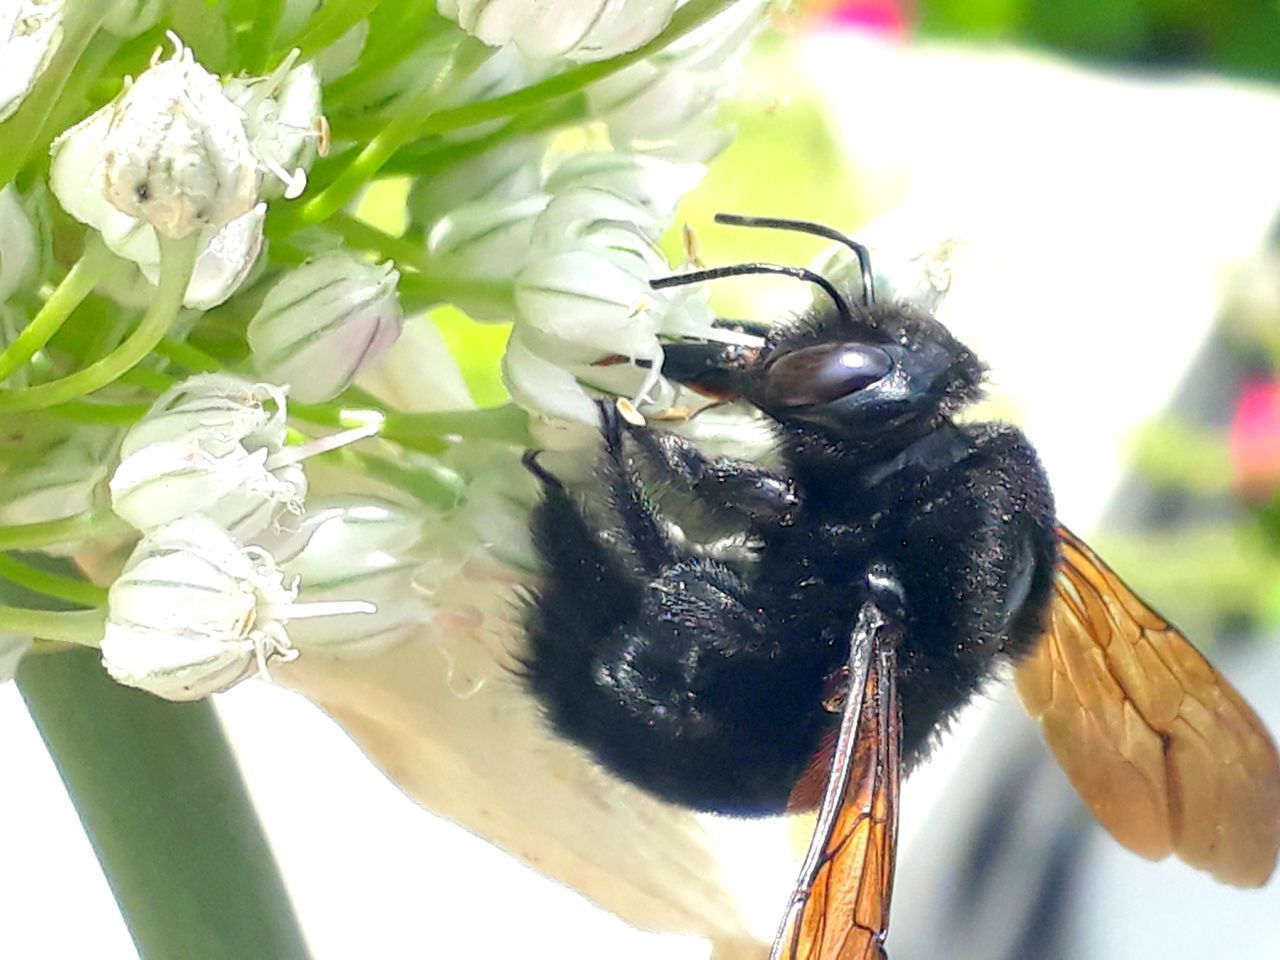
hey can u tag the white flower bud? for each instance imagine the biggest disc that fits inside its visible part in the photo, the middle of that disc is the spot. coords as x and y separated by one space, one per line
579 30
323 322
64 481
283 122
653 183
12 650
487 238
580 306
18 244
129 18
654 102
585 216
214 444
509 172
175 152
353 549
30 31
194 613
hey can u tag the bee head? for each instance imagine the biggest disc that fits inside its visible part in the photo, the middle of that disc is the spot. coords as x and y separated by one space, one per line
856 371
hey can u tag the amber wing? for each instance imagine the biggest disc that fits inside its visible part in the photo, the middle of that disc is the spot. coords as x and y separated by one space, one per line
840 907
1158 744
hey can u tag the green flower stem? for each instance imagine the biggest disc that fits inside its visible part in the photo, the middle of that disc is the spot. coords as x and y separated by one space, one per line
86 526
75 286
165 807
419 286
83 627
432 484
253 25
386 48
507 424
177 259
184 354
21 132
409 123
108 414
328 415
51 584
330 22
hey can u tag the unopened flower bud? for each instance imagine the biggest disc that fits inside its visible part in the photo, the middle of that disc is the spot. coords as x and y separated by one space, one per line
64 481
583 305
283 122
508 172
18 244
30 31
654 183
353 549
12 650
214 444
194 612
174 152
129 18
323 322
579 30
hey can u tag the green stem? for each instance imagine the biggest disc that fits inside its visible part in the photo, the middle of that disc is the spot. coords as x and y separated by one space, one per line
410 123
422 287
75 286
193 358
51 584
21 131
507 423
331 21
86 526
434 485
83 627
161 799
177 259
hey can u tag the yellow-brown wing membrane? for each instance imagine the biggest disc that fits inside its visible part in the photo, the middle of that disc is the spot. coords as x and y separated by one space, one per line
1158 744
840 907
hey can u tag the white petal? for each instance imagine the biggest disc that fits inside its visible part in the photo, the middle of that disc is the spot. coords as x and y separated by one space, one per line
17 244
586 306
544 387
653 183
419 373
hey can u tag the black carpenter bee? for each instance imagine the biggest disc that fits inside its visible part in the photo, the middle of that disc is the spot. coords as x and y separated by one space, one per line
901 558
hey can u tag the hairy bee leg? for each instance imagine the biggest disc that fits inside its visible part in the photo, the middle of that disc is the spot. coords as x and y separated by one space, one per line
722 485
630 505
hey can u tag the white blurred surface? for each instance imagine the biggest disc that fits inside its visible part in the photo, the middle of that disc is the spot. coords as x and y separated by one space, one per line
1100 212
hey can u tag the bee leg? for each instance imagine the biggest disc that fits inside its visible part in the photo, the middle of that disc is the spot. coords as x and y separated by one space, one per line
724 486
628 501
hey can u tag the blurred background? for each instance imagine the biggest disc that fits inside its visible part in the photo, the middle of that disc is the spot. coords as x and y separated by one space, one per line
1110 168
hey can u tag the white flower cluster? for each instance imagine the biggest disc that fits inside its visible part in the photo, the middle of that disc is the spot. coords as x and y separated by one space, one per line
180 152
207 477
578 242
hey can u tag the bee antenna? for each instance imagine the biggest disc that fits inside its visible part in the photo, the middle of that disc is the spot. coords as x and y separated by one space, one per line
740 269
818 230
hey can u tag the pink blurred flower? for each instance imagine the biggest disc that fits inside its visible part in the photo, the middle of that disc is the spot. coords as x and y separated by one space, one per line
889 18
1254 440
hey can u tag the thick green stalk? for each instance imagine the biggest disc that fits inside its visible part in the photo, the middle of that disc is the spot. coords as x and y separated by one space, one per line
163 803
31 536
71 589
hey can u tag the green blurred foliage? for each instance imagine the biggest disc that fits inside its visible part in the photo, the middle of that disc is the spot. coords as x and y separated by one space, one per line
1240 37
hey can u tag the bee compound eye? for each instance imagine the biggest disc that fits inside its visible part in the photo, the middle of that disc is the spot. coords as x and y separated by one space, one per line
817 375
